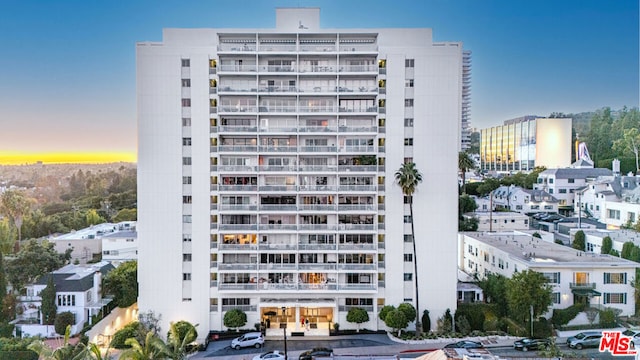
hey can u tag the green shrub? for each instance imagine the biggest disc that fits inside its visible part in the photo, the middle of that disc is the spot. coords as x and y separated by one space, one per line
542 328
607 318
562 317
18 355
131 330
475 314
63 320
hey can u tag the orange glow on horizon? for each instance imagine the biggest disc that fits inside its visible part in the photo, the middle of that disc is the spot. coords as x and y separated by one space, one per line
18 158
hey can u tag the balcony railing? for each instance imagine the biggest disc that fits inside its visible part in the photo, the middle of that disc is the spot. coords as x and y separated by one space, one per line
278 207
317 129
277 168
277 68
238 68
237 148
237 89
320 247
278 148
357 188
277 188
317 207
249 207
276 246
582 285
241 307
237 266
278 108
238 227
317 68
235 108
277 89
317 266
357 129
238 187
236 286
278 226
356 286
223 129
358 68
356 226
359 168
318 167
357 267
226 246
359 149
356 207
316 109
317 227
317 188
277 266
318 148
365 246
237 47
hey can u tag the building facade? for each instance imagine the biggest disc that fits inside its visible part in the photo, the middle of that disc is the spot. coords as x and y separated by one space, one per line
525 201
563 183
523 143
266 171
575 276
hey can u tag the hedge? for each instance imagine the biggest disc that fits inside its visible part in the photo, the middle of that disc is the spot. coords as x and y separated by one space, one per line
18 355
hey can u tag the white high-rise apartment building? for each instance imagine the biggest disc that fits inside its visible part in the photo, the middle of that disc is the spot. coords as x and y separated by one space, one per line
266 172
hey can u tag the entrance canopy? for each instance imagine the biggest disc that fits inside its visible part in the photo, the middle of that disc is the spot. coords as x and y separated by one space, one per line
586 292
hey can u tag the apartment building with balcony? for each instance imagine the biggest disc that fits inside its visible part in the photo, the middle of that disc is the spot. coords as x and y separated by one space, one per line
266 172
575 276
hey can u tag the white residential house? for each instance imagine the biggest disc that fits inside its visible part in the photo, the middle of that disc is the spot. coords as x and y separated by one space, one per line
522 200
86 242
500 220
594 237
576 276
614 201
120 246
78 290
562 183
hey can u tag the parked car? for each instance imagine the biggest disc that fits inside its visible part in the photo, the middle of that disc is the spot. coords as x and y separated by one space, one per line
464 344
527 344
585 339
247 340
634 335
320 351
270 355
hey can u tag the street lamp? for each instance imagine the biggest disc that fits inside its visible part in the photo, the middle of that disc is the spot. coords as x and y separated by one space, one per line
283 325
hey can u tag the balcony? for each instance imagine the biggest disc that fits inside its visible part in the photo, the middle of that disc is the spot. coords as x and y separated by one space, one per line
278 226
277 266
357 267
317 109
277 68
582 286
238 68
318 168
318 188
278 108
370 48
237 109
317 227
272 47
356 207
277 188
286 168
306 286
236 286
356 286
317 129
278 148
237 247
318 68
237 47
278 129
318 247
359 149
369 109
323 48
238 187
357 247
317 207
278 207
358 68
234 89
277 246
357 188
358 129
237 148
239 227
242 129
331 149
277 89
247 207
358 168
237 266
318 89
317 266
356 226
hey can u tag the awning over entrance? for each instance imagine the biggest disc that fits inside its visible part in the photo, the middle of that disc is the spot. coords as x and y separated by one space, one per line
586 292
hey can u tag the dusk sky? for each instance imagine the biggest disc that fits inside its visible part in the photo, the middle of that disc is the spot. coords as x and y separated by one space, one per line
67 67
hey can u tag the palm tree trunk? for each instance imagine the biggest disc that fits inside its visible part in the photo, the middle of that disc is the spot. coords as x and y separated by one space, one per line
415 267
464 189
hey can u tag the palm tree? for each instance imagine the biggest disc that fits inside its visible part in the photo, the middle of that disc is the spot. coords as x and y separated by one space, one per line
153 348
181 334
408 178
15 205
465 163
65 351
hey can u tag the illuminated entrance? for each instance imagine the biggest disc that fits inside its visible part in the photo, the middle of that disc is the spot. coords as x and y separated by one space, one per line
304 317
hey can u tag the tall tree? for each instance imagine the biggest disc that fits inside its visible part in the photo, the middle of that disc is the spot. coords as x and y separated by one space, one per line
579 241
528 290
31 262
15 205
607 245
630 143
408 177
49 308
465 163
494 287
122 283
181 334
3 287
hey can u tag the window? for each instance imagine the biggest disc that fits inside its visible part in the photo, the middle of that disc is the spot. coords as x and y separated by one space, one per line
186 161
186 62
550 180
555 297
535 207
186 257
501 263
613 214
470 249
408 83
408 102
562 191
407 219
186 180
408 122
186 102
186 276
550 191
518 207
186 82
186 141
186 121
186 238
408 277
548 207
615 278
187 199
407 238
408 142
615 298
553 277
571 181
66 300
408 257
408 160
409 63
186 219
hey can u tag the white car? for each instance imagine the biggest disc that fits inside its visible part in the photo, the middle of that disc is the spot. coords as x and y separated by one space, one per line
270 355
247 340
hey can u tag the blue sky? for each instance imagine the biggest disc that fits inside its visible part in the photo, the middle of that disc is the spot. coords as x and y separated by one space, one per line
67 70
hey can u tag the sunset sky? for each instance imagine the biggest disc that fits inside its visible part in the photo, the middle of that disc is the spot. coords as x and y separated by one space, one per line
67 70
